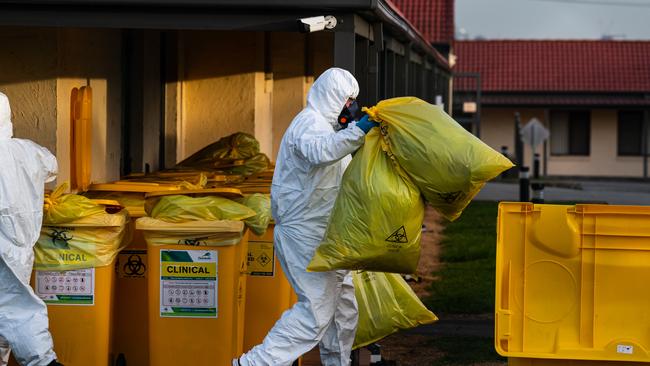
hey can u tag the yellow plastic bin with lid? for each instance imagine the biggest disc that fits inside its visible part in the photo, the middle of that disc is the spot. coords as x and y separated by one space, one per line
572 283
550 362
131 321
268 292
197 287
74 276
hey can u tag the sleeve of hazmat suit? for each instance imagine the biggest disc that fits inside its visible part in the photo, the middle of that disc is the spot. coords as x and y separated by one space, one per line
319 145
23 317
309 167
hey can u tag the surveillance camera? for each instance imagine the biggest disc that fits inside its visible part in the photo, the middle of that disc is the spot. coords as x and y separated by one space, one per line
316 24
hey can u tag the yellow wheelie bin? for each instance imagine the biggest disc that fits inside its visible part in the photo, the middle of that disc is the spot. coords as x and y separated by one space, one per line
74 276
268 292
197 287
131 321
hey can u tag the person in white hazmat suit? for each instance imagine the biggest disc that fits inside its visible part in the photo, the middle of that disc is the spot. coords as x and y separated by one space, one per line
24 169
308 172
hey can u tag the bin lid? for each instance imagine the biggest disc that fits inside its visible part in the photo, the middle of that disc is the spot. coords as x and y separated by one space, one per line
227 192
248 189
136 187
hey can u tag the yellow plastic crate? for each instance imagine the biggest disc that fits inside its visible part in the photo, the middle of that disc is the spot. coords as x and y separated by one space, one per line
572 282
548 362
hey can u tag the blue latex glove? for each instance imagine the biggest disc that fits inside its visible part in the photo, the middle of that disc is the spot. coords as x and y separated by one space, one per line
366 124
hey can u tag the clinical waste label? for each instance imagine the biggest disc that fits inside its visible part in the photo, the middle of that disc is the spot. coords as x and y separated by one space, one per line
261 259
66 288
188 283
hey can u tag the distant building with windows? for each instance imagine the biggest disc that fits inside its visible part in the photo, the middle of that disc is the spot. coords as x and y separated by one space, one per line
593 96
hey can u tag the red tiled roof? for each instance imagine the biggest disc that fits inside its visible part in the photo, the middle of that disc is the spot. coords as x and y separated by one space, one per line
434 18
556 66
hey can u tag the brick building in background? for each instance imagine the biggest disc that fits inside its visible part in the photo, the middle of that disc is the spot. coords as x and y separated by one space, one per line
593 96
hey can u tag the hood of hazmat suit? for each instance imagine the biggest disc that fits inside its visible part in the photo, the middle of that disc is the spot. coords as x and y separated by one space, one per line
25 168
308 172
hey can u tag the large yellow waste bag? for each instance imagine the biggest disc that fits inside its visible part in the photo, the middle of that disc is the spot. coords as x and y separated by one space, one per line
447 163
376 222
237 146
255 164
261 204
386 304
91 241
179 208
238 153
60 208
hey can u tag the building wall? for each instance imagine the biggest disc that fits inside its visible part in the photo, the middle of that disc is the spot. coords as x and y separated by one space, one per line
28 69
38 70
288 58
497 129
220 87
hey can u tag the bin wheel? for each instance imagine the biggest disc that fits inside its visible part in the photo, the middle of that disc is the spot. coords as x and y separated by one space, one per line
121 360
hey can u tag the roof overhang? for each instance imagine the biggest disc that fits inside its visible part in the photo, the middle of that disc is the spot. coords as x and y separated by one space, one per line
244 15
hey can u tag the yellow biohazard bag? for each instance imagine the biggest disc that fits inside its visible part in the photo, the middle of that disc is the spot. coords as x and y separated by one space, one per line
376 222
261 204
238 153
448 164
60 208
179 208
387 304
88 242
195 233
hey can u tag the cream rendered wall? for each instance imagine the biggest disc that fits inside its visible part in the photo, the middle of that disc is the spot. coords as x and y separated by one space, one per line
497 130
288 64
603 159
38 70
28 69
222 87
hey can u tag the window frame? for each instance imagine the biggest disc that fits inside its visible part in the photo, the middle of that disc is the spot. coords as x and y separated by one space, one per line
588 133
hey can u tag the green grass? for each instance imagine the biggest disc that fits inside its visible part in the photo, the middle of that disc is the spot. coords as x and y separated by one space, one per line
465 282
465 351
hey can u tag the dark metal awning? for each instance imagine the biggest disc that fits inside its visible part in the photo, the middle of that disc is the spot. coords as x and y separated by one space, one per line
243 15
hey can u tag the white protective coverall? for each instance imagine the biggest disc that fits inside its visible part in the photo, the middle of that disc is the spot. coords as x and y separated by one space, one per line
24 169
308 172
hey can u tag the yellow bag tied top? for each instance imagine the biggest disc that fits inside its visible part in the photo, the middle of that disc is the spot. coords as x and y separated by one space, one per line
61 208
92 241
179 208
376 222
261 204
447 163
386 304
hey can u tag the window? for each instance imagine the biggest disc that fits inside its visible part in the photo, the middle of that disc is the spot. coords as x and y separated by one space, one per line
630 133
570 132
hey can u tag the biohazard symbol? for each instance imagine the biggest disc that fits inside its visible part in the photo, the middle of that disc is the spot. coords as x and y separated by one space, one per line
399 236
450 197
60 239
134 266
263 259
193 242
